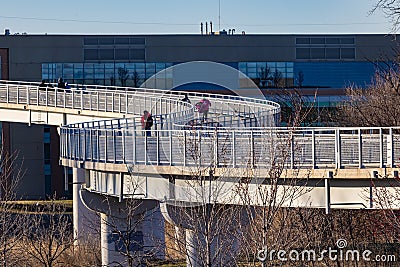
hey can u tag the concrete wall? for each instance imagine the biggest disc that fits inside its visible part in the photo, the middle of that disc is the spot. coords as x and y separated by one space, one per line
27 142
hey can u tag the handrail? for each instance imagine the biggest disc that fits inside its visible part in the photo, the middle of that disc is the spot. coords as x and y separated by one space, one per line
312 149
230 141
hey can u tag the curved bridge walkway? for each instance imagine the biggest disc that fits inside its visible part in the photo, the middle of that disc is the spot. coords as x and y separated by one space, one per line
102 139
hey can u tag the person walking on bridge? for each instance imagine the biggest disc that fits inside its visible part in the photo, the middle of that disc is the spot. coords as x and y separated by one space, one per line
203 107
147 122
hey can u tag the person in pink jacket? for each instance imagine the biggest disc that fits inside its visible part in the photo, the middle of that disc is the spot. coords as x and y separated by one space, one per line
203 107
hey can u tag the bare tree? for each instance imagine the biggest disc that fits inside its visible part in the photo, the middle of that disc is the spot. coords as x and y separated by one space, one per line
300 79
137 79
112 81
277 78
391 8
209 220
264 75
11 219
123 75
375 106
49 234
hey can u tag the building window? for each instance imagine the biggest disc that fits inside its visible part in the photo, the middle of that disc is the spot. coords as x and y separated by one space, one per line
91 54
303 53
332 53
347 53
90 41
122 41
121 54
137 41
114 48
105 73
267 74
106 54
317 53
325 48
106 41
137 54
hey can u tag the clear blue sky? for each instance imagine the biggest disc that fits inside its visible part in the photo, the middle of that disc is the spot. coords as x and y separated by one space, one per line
180 16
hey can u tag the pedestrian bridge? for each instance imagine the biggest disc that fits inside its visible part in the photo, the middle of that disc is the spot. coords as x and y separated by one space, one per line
100 132
234 157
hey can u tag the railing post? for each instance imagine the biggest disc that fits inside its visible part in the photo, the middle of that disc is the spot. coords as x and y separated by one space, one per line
338 159
91 144
27 95
291 150
145 148
134 143
8 93
390 149
73 98
198 156
81 92
114 145
216 148
158 147
84 144
119 103
90 100
18 94
170 147
252 148
381 164
69 142
313 148
65 99
105 144
98 144
112 99
126 102
233 149
184 148
360 159
123 145
55 97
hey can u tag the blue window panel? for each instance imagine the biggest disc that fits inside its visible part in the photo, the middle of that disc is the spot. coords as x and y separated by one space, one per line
335 74
234 65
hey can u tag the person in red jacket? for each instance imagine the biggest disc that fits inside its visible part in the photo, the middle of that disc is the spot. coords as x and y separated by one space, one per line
147 122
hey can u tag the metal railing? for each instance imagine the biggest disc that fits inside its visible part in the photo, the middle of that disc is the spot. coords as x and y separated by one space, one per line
124 99
235 142
261 148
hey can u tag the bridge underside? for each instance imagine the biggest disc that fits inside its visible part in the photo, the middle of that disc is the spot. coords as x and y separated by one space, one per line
197 189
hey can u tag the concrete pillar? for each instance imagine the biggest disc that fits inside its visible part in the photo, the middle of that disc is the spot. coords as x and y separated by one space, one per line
223 245
114 243
85 220
221 251
154 233
192 249
126 241
133 227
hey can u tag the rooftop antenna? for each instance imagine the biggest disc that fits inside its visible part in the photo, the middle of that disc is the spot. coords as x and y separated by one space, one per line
219 15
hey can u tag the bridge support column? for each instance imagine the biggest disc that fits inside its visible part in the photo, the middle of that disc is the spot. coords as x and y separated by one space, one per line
211 242
131 230
85 220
